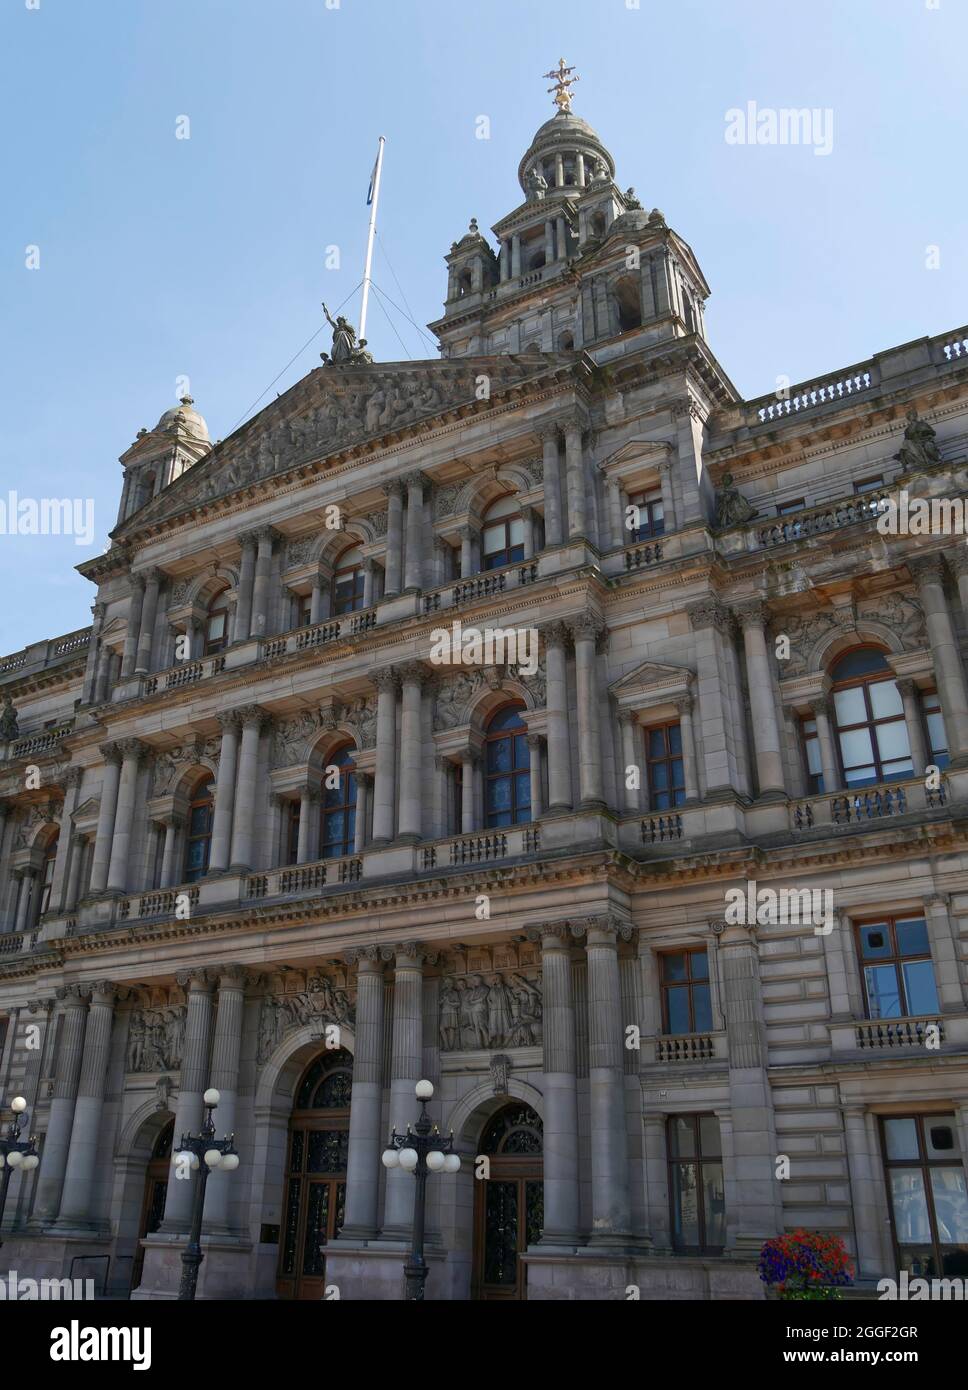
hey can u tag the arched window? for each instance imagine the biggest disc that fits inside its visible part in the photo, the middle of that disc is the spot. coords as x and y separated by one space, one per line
47 875
338 814
507 781
217 625
199 839
502 537
628 303
566 342
348 582
464 284
872 735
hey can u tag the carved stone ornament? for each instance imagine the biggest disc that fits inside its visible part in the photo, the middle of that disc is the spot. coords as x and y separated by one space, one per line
318 1004
156 1037
899 613
499 1009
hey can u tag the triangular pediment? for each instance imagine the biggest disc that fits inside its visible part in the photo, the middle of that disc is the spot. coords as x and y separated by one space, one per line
338 409
87 810
652 676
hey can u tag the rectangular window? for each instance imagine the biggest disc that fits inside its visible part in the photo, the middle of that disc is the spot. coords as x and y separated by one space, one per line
934 722
686 1003
895 957
302 607
785 508
663 751
868 484
925 1179
697 1191
650 517
811 756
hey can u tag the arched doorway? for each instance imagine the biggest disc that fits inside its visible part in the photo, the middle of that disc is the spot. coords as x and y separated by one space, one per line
153 1202
315 1195
509 1203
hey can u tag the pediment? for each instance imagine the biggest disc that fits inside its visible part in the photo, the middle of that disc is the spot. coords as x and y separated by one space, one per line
650 677
338 409
88 810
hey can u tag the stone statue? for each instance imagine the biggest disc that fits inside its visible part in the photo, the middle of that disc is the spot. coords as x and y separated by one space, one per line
732 508
536 185
9 726
631 202
919 449
345 347
155 1039
599 171
500 1010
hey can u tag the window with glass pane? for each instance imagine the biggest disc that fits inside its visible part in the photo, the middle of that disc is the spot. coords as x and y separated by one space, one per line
502 535
811 756
898 973
507 779
217 625
663 748
934 722
302 606
348 582
929 1200
869 718
651 516
869 484
686 1006
338 814
697 1190
199 836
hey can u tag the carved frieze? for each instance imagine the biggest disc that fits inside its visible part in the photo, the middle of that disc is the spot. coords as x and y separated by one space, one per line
900 613
321 1002
500 1008
156 1037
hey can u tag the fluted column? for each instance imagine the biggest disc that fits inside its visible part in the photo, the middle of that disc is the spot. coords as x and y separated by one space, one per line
575 469
611 1207
308 807
587 631
133 630
468 761
173 824
413 676
820 708
224 1076
102 680
912 719
394 556
193 1084
111 753
690 774
258 626
246 783
53 1163
149 611
534 776
559 744
406 1064
945 653
132 751
559 1087
75 1207
415 519
366 1101
71 782
223 813
386 682
364 790
551 472
243 611
628 723
752 617
73 890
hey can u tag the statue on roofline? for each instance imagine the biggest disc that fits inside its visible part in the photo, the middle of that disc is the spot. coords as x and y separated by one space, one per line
346 350
919 449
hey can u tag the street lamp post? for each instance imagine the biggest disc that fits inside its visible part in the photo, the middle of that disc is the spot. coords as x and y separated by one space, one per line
15 1152
202 1152
420 1151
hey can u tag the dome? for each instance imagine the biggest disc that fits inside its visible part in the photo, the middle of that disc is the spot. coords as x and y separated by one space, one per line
564 134
186 417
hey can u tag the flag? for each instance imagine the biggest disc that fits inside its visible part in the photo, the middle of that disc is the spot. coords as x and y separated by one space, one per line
369 191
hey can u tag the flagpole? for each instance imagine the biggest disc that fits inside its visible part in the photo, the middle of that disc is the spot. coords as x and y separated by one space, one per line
370 234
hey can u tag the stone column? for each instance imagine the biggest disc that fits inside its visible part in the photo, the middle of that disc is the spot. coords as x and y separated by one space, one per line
468 761
26 874
364 790
752 617
559 1087
820 708
172 823
528 519
406 1064
549 240
258 625
412 676
912 719
102 680
308 804
412 579
246 784
611 1205
194 1082
315 601
224 1076
394 555
551 471
384 789
587 631
243 612
133 630
559 741
53 1163
366 1103
503 264
534 776
516 255
690 775
222 815
863 1167
368 569
619 533
75 1207
468 535
73 890
575 469
149 610
132 751
562 244
945 654
668 501
628 722
98 611
944 953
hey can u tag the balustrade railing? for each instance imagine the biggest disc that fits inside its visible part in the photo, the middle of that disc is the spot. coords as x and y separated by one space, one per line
866 805
638 556
684 1047
815 521
44 741
884 1035
662 828
851 381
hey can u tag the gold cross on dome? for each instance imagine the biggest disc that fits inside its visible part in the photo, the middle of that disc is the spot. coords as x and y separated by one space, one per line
562 80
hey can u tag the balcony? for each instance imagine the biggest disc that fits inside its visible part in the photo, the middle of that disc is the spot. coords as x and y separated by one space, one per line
867 805
676 1049
301 880
817 521
483 847
487 584
639 556
42 744
894 1034
186 673
47 653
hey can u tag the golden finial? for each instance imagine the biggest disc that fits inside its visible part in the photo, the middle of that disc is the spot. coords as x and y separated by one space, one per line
562 80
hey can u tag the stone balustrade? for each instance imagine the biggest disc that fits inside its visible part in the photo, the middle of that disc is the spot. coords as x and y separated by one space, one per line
892 1034
867 804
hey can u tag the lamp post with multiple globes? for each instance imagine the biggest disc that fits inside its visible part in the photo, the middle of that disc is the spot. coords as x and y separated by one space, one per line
420 1151
15 1152
202 1153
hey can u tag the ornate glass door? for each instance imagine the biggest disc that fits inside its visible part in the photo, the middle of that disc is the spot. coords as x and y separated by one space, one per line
156 1190
315 1176
509 1203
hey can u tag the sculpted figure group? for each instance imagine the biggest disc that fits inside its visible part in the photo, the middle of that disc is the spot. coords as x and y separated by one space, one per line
489 1011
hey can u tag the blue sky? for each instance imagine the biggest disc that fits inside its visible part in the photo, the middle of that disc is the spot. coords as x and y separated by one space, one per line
205 257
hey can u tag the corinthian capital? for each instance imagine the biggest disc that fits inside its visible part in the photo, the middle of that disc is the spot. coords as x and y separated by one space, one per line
926 569
708 612
385 679
753 613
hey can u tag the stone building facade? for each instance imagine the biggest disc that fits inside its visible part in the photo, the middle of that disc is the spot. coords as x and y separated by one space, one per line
258 834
